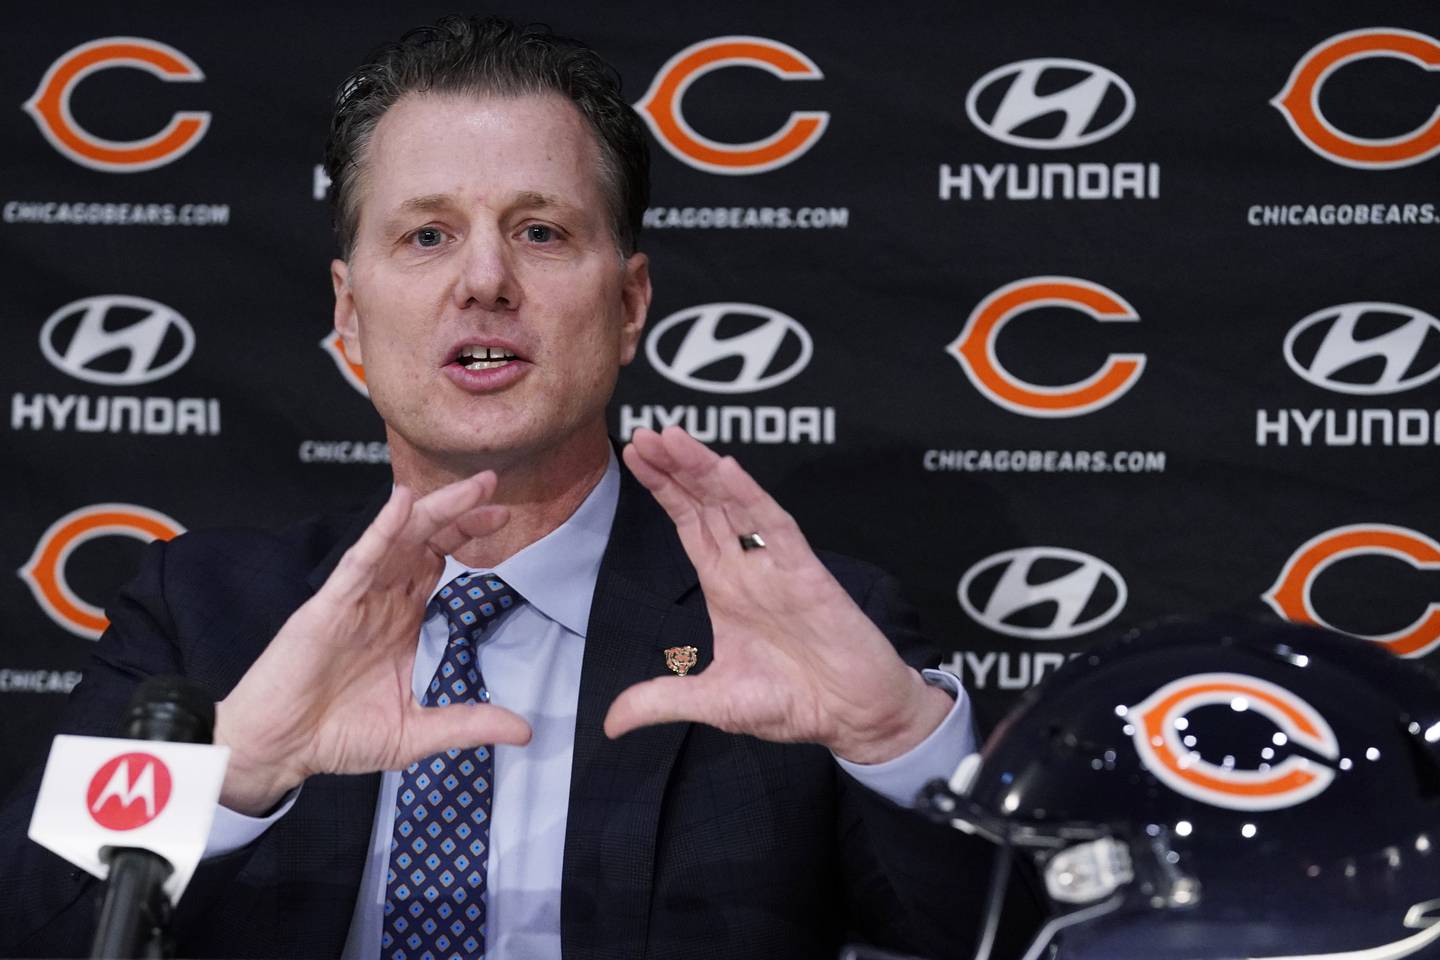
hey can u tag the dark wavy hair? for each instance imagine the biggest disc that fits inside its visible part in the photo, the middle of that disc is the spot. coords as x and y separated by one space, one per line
489 56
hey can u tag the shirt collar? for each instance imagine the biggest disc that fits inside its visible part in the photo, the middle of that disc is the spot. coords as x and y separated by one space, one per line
556 574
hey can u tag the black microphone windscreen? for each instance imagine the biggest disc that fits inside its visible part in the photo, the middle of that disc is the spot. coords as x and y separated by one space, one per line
171 708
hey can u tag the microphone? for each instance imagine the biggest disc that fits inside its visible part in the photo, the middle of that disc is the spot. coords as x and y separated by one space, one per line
136 812
135 913
171 708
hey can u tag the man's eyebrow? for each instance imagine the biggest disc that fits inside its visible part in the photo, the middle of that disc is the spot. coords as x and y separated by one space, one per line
530 199
427 203
534 199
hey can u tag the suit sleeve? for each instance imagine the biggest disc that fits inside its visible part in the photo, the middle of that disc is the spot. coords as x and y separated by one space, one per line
914 885
48 907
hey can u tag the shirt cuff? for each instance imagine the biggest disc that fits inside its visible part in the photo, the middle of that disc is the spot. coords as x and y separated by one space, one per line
901 778
230 831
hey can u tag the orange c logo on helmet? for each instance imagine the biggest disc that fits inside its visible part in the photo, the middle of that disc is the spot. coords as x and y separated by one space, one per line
353 372
661 106
50 105
1290 594
1300 100
1162 751
44 572
975 348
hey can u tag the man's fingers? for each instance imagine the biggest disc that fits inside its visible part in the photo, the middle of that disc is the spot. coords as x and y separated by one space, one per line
442 520
751 508
683 458
463 725
669 494
707 476
440 508
677 504
483 521
480 522
653 467
723 485
662 700
375 544
742 489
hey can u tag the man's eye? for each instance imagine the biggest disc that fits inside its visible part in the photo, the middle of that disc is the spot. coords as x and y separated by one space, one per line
429 237
539 233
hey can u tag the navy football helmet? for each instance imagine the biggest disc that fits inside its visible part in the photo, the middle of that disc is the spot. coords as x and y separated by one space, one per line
1218 790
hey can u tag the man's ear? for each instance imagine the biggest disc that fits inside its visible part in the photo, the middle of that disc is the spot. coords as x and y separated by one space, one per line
635 303
347 321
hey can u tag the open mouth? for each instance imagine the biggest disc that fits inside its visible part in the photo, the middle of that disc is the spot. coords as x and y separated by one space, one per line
484 358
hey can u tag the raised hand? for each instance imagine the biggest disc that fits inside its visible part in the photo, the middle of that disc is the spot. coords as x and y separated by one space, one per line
332 691
795 659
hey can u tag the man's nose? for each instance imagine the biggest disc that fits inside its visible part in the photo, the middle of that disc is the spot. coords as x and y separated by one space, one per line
487 276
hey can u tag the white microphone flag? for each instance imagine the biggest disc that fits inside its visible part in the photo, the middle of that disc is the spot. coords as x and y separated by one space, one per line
101 792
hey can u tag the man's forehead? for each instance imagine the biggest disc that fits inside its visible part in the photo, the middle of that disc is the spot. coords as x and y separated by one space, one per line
534 149
545 123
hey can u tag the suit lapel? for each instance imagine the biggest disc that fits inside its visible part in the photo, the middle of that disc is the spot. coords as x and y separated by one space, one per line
349 531
617 786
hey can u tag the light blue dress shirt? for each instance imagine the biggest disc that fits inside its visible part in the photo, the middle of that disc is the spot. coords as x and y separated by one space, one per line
531 663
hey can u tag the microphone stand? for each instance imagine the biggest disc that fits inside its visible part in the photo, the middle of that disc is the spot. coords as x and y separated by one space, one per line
135 913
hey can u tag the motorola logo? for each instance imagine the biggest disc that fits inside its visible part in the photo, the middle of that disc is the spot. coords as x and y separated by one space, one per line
1365 348
1050 103
1042 593
129 791
117 340
729 347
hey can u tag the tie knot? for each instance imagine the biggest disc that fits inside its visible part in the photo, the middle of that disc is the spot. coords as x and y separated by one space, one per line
473 601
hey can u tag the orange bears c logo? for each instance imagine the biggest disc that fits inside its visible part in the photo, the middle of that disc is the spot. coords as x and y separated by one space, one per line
44 572
1162 751
1290 594
975 348
1300 100
662 110
353 372
50 106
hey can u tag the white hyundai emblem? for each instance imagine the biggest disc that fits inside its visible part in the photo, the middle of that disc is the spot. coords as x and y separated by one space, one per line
768 354
1338 348
85 353
1082 104
1071 592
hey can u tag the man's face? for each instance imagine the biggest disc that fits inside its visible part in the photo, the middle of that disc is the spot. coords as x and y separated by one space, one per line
484 293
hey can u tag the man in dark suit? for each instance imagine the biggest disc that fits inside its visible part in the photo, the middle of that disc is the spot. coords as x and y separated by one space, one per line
488 186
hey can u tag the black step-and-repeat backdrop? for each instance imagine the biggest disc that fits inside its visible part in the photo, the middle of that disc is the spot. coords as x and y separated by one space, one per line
1071 317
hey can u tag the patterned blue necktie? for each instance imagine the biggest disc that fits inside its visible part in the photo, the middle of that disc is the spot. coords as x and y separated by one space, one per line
435 889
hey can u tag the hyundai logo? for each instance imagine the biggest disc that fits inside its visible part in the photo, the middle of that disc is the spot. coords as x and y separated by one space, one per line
1325 349
1016 103
693 348
1042 593
117 340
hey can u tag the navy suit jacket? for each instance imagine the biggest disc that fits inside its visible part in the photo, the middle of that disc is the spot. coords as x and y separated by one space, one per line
682 841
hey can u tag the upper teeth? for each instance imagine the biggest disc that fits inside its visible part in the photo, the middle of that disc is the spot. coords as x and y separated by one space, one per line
485 353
